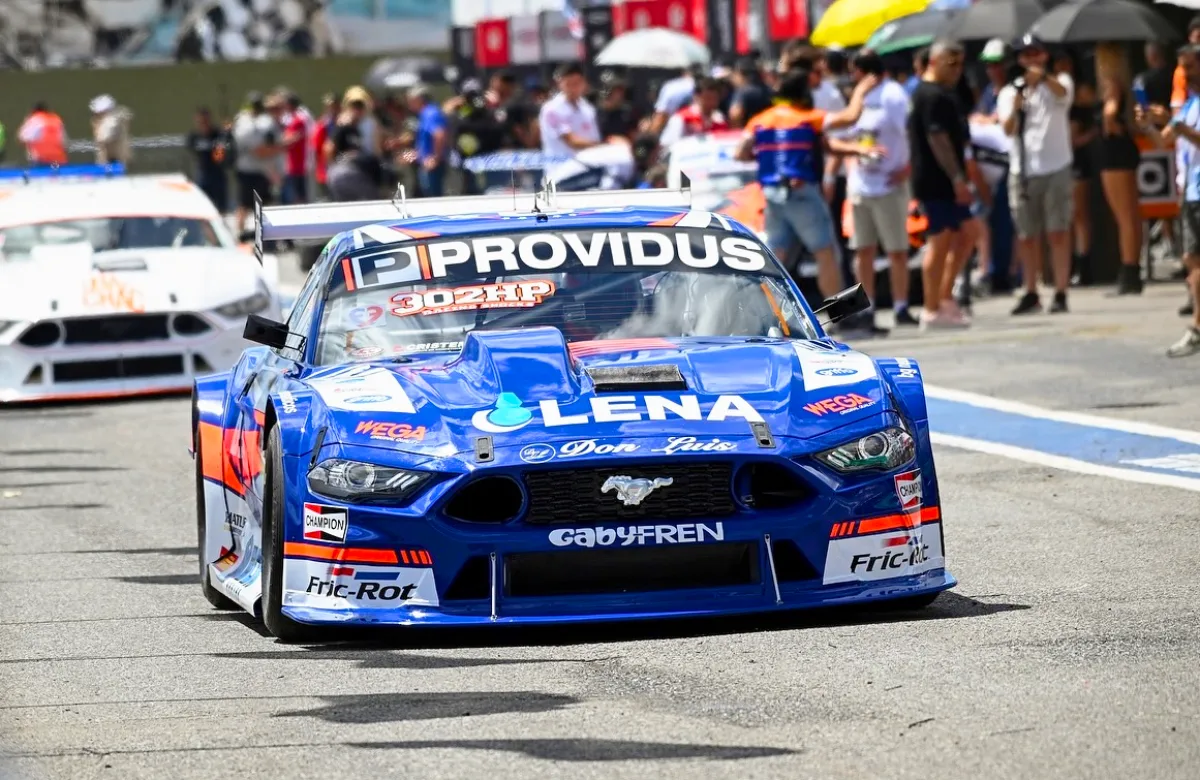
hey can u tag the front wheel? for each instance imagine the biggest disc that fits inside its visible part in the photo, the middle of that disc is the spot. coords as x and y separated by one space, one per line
281 626
214 596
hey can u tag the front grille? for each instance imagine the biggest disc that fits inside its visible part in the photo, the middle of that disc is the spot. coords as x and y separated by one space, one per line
632 570
116 329
118 368
572 496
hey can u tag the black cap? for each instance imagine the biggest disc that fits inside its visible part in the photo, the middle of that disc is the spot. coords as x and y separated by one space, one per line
1028 41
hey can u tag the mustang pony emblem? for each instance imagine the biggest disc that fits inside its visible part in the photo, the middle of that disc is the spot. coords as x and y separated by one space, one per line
634 491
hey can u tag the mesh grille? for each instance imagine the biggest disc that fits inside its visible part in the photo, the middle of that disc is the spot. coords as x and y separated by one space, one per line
573 496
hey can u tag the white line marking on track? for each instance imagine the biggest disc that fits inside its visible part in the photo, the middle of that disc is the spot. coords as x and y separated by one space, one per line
1077 418
1064 464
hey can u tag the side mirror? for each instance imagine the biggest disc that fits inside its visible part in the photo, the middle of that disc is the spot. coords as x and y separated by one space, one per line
847 303
267 332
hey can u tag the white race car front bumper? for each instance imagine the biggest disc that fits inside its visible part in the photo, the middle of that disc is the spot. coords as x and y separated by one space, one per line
114 355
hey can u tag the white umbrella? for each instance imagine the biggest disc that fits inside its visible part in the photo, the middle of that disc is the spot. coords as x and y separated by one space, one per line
654 47
1192 4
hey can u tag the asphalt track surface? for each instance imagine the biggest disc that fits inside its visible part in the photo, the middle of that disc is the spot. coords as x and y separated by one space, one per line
1071 647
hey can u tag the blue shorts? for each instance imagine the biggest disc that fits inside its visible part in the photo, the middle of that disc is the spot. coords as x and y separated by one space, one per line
944 215
797 215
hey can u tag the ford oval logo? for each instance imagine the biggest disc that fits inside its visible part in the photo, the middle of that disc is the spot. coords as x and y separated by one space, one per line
837 372
537 453
368 399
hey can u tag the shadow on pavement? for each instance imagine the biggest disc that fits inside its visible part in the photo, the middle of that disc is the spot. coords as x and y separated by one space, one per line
251 622
33 453
397 707
159 579
50 506
377 658
588 749
948 606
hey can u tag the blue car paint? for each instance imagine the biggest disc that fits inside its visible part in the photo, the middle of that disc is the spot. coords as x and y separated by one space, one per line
533 365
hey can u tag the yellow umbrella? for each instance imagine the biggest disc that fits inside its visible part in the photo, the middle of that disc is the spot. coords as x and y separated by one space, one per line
851 22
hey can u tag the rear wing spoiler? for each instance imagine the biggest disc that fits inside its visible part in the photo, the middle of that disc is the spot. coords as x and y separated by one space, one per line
325 220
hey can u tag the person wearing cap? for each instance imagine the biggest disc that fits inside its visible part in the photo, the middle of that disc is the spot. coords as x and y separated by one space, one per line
997 76
1034 111
432 142
256 137
44 136
110 130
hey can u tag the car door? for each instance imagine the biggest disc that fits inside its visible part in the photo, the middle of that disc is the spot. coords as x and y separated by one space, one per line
274 367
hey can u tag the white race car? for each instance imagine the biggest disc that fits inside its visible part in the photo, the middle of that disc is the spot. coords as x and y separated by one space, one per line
114 286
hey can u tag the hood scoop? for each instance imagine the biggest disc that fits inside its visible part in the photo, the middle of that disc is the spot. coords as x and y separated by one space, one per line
622 379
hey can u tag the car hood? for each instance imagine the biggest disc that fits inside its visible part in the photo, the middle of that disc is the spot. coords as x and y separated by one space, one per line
78 282
530 387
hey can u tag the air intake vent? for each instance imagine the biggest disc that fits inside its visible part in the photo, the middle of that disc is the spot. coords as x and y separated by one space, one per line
769 486
622 379
492 500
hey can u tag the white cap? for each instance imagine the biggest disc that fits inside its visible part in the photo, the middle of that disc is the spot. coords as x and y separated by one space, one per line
993 51
103 103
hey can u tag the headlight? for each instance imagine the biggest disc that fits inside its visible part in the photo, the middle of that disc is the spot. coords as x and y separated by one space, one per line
351 480
251 305
888 449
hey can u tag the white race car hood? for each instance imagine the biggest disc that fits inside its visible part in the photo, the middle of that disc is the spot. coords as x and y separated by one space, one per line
71 281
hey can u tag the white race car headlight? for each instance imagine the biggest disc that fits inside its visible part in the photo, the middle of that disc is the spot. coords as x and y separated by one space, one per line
886 450
352 480
252 304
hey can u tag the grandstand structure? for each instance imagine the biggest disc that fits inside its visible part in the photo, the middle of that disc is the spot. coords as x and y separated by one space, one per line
97 33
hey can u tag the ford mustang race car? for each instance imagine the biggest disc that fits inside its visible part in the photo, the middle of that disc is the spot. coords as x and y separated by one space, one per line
605 407
113 285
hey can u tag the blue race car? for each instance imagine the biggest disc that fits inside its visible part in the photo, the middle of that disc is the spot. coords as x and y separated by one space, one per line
607 406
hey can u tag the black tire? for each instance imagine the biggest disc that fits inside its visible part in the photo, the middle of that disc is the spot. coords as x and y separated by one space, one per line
282 627
214 596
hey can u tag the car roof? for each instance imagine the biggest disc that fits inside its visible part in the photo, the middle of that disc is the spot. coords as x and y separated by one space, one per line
133 196
575 219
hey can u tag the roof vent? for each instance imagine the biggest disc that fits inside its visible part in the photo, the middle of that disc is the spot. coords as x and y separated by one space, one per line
618 379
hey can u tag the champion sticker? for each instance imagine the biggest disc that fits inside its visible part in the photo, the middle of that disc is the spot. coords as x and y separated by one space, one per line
325 523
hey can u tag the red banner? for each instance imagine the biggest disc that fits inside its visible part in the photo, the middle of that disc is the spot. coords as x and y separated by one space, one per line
491 43
787 19
686 16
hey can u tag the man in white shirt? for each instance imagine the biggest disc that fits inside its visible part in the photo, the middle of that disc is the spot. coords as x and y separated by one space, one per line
568 120
877 185
1033 111
673 96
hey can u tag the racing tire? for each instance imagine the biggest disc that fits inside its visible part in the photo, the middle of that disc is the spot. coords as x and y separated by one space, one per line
281 626
214 596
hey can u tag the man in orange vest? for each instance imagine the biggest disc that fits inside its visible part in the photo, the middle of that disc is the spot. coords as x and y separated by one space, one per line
1179 87
44 137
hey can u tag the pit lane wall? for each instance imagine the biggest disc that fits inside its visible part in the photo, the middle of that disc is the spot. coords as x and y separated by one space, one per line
163 98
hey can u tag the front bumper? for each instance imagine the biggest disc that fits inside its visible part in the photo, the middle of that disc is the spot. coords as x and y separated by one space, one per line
110 370
519 578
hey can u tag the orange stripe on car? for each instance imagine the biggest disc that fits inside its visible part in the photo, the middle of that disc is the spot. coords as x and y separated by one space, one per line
896 522
339 554
668 221
348 273
423 258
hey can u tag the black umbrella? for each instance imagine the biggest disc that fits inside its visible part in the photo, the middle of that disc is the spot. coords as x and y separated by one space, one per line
1005 19
1091 21
399 73
910 32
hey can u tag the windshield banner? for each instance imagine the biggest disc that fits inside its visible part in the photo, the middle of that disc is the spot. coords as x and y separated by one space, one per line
536 253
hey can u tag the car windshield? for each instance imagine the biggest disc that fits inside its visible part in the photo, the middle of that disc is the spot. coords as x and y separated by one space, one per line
105 233
590 284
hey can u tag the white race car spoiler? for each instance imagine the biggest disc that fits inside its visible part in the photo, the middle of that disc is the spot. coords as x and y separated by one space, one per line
320 221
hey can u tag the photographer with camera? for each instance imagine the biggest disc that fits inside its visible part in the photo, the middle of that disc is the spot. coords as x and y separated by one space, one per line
1034 111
